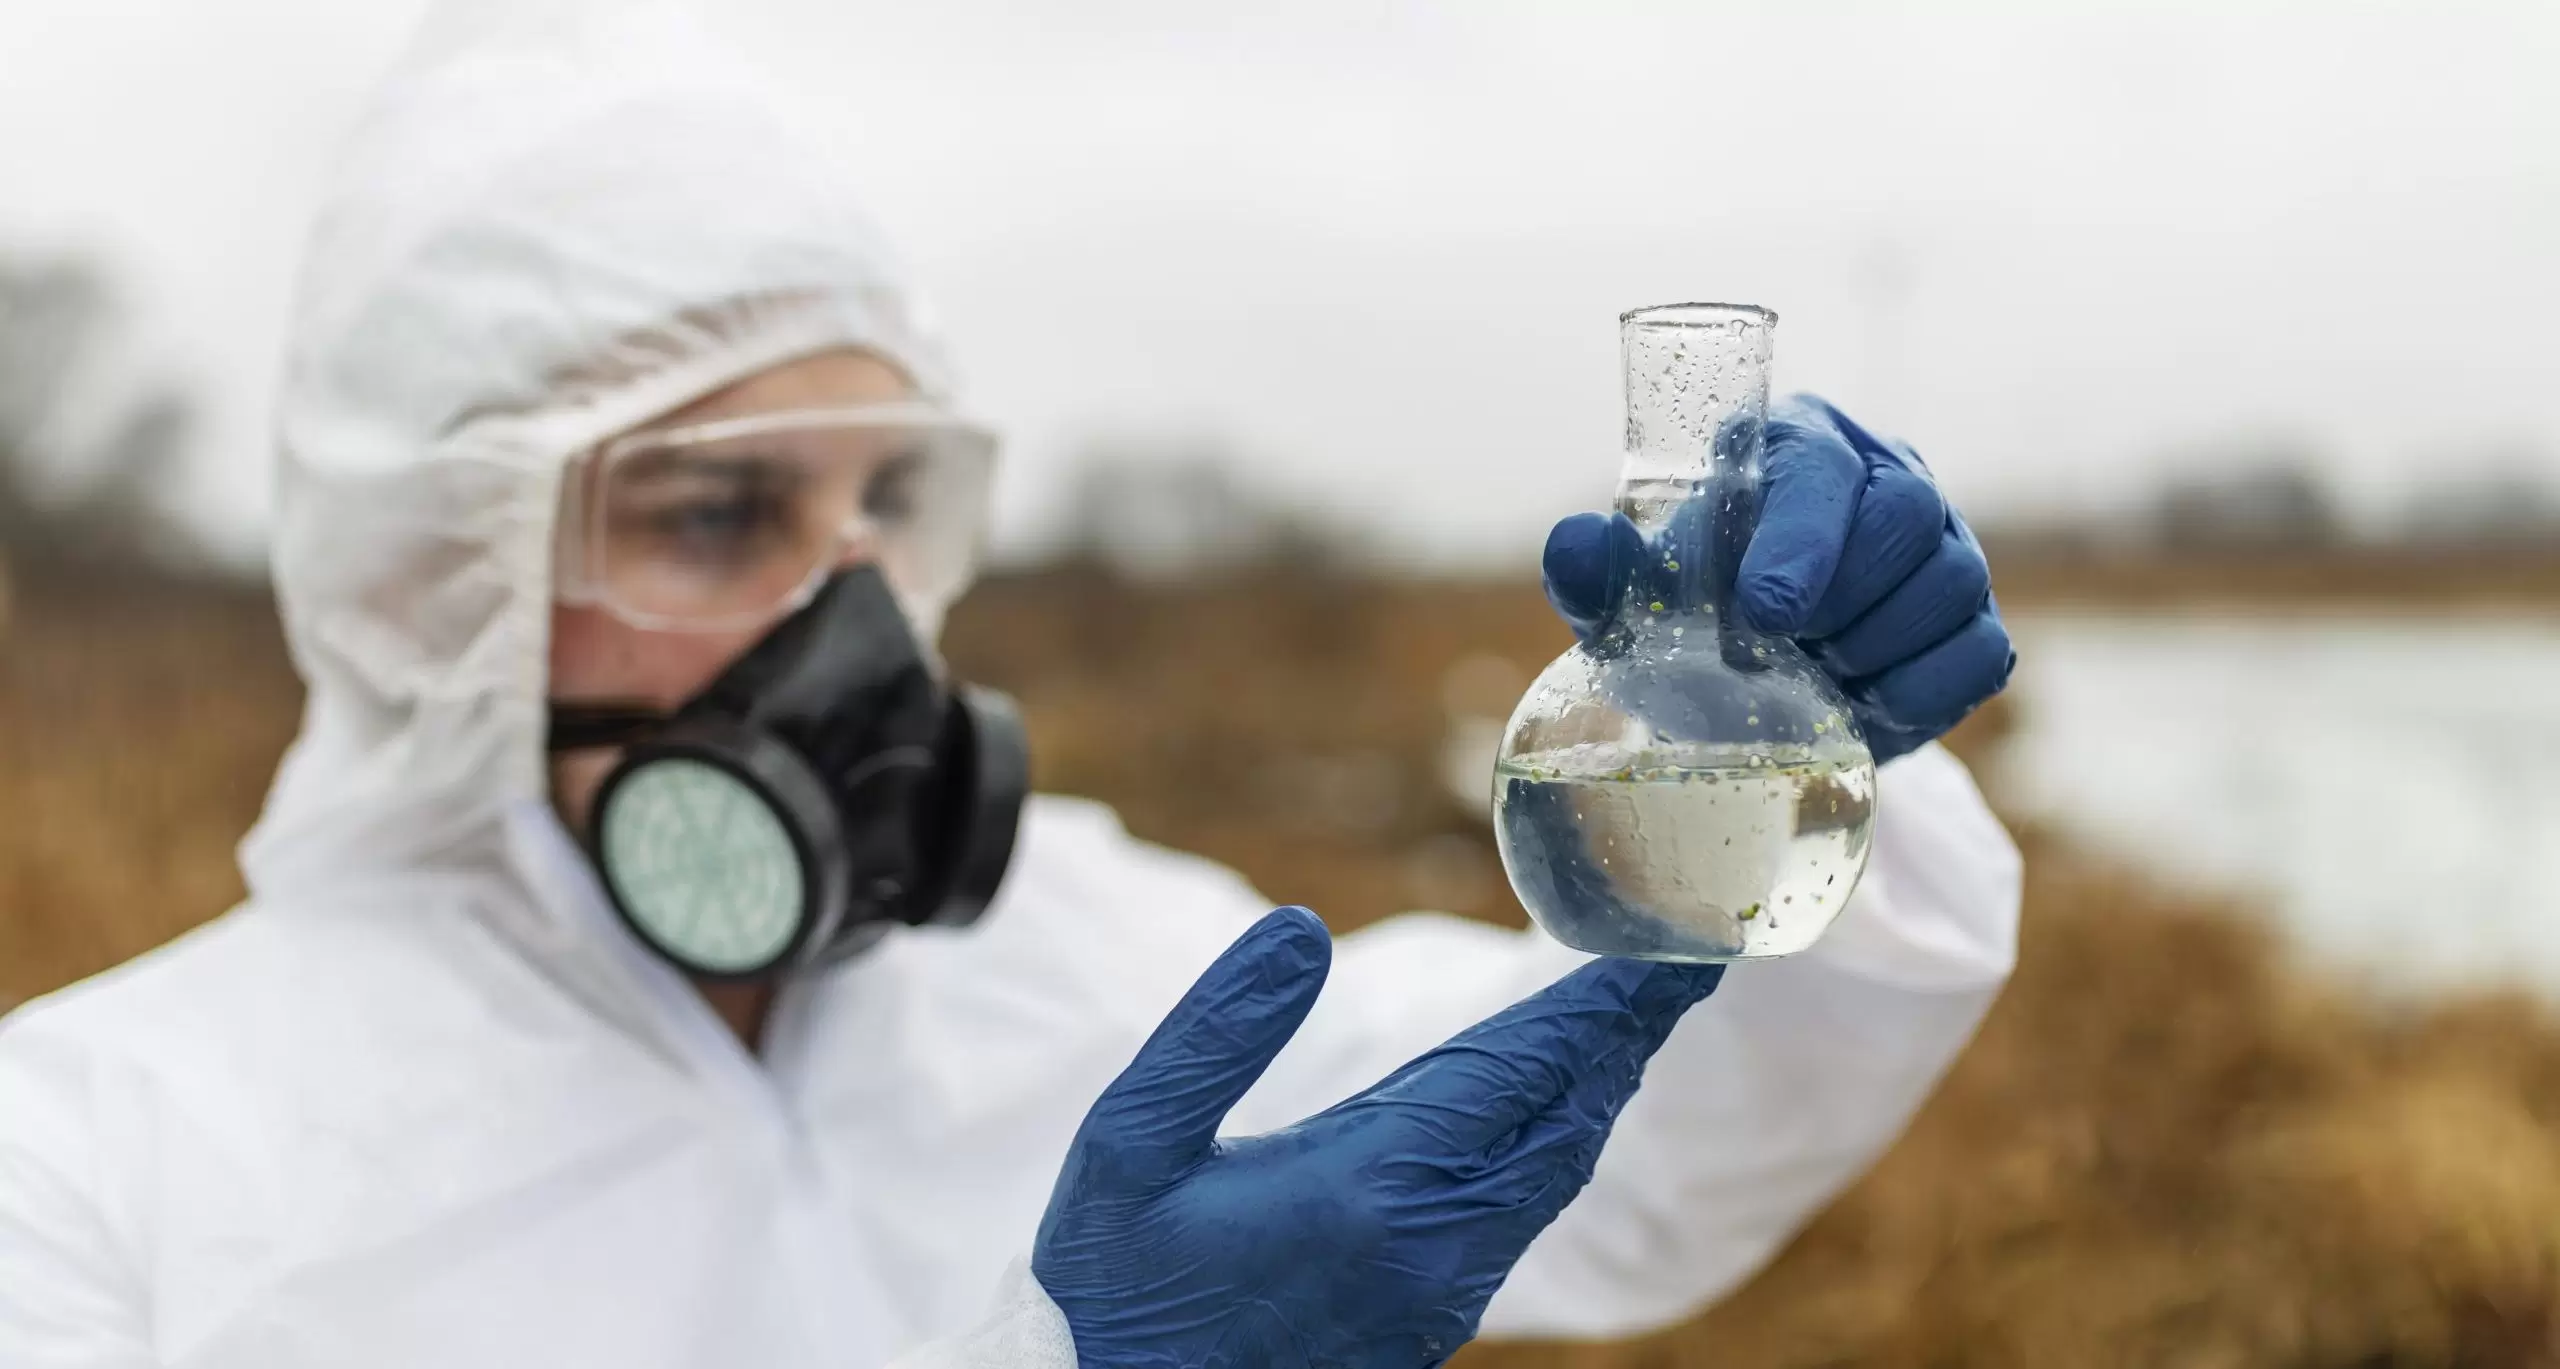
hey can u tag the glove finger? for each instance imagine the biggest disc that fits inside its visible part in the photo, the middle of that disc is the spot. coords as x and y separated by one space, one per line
1588 559
1901 519
1163 1112
1811 483
1491 1079
1551 1156
1934 689
1885 741
1930 603
1555 1174
1878 451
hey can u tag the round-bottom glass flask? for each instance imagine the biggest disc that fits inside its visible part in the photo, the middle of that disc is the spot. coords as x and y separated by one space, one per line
1682 786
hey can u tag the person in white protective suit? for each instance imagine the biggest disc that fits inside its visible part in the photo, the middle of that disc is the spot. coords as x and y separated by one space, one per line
463 1083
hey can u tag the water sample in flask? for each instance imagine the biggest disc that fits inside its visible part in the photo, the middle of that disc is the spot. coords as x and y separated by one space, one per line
1683 786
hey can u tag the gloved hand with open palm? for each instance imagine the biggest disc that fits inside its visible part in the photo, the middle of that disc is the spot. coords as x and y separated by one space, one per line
1373 1233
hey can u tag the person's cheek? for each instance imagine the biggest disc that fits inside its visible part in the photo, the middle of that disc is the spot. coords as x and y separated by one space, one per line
586 662
676 666
597 658
575 777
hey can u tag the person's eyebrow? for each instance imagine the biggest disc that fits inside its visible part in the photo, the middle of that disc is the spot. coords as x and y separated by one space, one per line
676 463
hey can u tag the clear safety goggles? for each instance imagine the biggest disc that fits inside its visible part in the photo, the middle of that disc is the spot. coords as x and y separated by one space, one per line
732 523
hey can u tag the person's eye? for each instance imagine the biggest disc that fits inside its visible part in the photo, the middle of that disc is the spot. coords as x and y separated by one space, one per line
891 495
723 529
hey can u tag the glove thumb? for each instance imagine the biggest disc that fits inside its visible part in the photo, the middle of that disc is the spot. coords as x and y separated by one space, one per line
1586 566
1161 1115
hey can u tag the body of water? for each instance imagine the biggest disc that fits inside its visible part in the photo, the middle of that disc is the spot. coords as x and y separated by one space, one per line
2387 787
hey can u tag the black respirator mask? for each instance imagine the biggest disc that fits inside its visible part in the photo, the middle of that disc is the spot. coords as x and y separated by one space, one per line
826 787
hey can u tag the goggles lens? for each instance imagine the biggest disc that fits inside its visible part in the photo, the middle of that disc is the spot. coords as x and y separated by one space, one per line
732 523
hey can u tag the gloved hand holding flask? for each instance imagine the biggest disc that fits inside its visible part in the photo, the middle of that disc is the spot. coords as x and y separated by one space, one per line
1780 601
1858 554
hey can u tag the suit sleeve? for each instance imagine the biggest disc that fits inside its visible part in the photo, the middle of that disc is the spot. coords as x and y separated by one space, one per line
1024 1330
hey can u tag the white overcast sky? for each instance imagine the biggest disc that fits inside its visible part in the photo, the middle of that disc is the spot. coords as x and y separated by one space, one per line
1381 247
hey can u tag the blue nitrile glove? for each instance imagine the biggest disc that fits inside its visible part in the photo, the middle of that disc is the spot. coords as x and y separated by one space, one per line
1372 1233
1857 555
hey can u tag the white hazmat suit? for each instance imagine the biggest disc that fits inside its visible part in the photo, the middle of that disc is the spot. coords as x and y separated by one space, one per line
421 1100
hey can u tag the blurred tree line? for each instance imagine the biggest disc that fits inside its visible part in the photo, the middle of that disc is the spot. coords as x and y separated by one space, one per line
1162 507
2278 495
92 448
89 458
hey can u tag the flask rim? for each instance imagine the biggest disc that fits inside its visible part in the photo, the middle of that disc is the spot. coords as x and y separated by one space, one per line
1696 314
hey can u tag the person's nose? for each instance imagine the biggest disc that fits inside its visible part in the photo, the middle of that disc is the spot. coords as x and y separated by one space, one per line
858 542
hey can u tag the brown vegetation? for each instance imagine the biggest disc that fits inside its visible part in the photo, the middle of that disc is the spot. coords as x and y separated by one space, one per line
2167 1146
139 725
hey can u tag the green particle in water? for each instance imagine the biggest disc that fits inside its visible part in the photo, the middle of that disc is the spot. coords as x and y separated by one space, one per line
1656 606
1751 912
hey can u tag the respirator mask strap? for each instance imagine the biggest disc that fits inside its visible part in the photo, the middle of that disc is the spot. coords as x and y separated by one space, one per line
595 727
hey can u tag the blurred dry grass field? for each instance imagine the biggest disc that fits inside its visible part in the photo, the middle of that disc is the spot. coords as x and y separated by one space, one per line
2166 1147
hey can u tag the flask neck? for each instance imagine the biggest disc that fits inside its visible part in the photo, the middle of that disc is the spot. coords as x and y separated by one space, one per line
1696 527
1697 400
